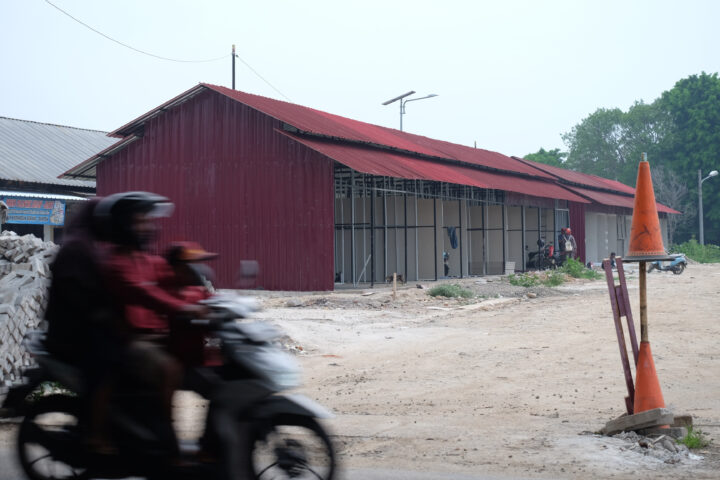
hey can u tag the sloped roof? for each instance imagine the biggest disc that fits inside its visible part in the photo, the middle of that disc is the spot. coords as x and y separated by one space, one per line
603 190
40 152
386 151
399 165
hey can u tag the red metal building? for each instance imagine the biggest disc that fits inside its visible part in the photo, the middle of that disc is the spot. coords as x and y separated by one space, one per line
256 178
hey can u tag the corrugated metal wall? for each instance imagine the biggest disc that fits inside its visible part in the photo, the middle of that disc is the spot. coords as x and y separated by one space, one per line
577 225
241 189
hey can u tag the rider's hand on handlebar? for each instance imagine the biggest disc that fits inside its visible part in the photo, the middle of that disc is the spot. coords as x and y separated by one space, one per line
196 311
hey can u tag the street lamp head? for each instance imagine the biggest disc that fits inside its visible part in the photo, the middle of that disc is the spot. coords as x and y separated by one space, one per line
713 173
399 97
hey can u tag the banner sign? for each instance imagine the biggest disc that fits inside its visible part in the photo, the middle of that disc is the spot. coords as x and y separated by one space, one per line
36 211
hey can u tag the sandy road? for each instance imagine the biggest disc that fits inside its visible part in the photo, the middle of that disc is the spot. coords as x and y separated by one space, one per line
503 386
508 385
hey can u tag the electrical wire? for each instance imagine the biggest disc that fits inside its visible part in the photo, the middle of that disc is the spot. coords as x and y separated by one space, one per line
131 47
261 78
166 58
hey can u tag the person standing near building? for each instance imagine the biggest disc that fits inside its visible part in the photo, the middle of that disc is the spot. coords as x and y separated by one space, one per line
567 243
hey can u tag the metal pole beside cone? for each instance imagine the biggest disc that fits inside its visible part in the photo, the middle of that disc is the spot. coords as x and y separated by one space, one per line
643 304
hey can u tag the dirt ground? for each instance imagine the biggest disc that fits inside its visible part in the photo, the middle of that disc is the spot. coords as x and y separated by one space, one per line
502 384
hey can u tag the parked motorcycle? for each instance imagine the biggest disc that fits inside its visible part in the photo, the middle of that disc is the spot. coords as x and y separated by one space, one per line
278 435
545 257
677 265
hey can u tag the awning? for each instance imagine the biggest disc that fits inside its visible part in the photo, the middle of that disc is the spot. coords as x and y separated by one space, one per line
615 200
49 196
387 163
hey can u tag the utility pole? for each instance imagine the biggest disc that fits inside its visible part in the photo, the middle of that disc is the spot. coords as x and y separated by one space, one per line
233 66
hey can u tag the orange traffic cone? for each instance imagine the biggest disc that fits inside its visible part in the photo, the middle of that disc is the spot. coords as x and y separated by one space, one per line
645 234
647 386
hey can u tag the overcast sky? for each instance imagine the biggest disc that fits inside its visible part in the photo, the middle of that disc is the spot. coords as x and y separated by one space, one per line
510 75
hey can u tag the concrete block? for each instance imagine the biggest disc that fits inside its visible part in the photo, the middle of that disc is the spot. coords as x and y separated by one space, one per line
21 268
683 420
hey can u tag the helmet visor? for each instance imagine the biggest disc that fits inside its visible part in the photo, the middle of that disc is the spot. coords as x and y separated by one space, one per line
161 210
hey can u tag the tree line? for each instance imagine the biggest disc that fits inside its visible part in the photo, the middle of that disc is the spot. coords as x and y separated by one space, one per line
679 131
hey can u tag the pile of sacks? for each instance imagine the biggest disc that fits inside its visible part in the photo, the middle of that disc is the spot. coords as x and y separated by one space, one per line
24 281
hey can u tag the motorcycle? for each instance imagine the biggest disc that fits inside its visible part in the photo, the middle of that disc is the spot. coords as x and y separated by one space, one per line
545 257
677 265
274 435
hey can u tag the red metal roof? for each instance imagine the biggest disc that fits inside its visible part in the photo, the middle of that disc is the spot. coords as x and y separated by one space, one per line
329 125
615 200
376 161
580 178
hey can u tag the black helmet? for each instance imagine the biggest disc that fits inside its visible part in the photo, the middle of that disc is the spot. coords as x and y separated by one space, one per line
114 215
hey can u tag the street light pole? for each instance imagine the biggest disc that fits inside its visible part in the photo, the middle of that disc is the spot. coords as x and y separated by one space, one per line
403 102
700 203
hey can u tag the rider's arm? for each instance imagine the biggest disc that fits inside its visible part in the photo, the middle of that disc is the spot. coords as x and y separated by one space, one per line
132 281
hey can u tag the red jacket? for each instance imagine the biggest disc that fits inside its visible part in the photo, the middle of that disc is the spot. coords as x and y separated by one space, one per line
133 280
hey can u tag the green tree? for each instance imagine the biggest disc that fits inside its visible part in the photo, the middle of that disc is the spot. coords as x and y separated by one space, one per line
609 143
693 144
553 157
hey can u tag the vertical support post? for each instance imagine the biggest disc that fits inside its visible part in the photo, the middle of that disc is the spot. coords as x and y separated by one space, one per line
372 231
233 67
406 230
504 237
459 236
353 254
435 235
485 238
522 221
385 230
417 253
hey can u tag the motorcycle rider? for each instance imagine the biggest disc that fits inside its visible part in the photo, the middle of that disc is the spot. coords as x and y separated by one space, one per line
132 277
83 326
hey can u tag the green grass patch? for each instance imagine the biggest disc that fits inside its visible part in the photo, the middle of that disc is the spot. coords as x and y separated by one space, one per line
524 279
699 253
451 291
575 268
552 278
695 439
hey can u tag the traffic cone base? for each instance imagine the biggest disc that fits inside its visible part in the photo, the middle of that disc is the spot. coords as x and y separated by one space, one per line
647 386
645 234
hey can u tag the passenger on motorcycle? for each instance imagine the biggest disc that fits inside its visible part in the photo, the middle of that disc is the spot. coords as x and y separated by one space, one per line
190 282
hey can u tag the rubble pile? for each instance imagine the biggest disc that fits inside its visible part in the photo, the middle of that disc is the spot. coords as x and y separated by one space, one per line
662 447
24 281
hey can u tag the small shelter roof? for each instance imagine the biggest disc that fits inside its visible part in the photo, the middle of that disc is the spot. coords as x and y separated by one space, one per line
39 152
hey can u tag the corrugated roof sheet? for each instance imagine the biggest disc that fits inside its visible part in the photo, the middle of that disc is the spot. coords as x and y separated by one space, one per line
40 152
385 151
579 178
328 125
376 161
615 200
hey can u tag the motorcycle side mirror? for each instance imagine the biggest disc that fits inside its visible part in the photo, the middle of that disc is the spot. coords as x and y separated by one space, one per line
247 274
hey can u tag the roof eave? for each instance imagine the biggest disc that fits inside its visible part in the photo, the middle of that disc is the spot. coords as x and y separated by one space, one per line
80 171
136 125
